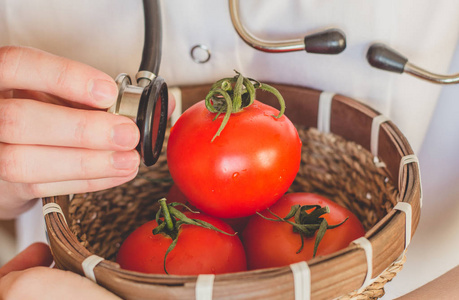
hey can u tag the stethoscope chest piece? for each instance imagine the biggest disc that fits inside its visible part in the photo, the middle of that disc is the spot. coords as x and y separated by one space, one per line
146 104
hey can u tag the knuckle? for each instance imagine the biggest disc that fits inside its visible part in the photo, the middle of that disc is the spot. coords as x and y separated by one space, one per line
36 190
10 169
84 166
63 68
19 284
10 60
10 120
81 129
11 286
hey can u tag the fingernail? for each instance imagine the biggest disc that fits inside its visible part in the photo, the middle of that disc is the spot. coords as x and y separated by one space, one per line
125 135
125 160
103 91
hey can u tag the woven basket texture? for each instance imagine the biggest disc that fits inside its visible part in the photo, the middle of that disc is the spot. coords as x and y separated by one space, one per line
331 166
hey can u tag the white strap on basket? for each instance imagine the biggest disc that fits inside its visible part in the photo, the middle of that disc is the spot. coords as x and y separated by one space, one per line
408 159
204 286
53 207
365 244
406 208
89 264
324 112
301 280
374 142
177 93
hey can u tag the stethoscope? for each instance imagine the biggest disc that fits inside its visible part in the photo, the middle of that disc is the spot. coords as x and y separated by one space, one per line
146 101
333 41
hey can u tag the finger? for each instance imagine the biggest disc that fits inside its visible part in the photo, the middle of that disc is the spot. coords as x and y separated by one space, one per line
47 98
33 69
51 284
76 186
37 254
22 193
32 122
33 164
170 105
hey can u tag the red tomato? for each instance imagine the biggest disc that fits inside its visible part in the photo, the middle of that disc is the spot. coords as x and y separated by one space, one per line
198 250
274 244
246 169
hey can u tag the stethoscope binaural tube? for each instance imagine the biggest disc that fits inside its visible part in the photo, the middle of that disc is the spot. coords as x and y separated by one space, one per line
333 41
330 41
146 102
382 57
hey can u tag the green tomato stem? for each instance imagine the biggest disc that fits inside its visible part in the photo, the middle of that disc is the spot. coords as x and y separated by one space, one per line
231 95
173 220
228 110
305 223
166 214
272 90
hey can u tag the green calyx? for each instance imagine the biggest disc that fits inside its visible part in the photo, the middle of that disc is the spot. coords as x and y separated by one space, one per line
231 95
170 219
305 223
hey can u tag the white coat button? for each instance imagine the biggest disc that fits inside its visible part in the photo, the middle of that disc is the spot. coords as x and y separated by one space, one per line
200 54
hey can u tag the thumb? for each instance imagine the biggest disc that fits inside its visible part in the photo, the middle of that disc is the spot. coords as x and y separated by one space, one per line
37 254
27 275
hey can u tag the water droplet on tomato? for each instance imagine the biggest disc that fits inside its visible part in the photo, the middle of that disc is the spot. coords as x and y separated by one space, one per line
235 175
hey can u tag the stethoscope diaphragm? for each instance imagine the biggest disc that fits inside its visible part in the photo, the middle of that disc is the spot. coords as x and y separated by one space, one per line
146 104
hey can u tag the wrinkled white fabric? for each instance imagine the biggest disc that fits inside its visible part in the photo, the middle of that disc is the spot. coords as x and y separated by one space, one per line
108 34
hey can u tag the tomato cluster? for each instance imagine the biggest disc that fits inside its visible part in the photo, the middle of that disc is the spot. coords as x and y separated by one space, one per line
233 159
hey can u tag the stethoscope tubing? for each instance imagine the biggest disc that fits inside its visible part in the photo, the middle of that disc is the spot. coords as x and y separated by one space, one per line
146 101
151 54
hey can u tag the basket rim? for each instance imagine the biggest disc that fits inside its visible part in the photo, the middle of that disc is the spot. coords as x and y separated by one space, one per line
384 254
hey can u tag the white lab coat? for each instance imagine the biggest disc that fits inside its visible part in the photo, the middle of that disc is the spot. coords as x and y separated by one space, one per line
108 34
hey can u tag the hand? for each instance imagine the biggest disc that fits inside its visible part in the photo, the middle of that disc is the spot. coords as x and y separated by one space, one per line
55 134
27 276
443 287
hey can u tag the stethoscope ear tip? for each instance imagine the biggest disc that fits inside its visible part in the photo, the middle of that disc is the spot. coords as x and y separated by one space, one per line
382 57
330 41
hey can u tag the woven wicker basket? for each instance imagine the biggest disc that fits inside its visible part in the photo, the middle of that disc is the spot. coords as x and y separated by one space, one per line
351 154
